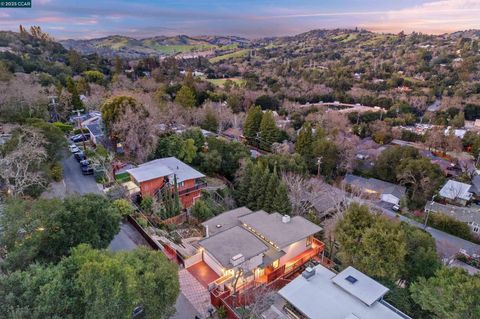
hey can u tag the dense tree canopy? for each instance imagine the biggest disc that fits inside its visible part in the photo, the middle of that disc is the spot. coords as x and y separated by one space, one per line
93 284
45 230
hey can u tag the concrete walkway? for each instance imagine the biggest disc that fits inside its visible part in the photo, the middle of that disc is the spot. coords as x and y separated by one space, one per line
194 292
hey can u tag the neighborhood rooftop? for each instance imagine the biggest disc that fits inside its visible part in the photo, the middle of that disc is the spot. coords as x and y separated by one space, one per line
327 295
146 173
375 185
232 242
453 190
181 170
464 214
275 230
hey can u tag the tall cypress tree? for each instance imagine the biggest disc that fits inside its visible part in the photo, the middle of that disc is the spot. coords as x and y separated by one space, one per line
271 191
252 122
244 185
268 130
255 188
303 145
282 203
262 189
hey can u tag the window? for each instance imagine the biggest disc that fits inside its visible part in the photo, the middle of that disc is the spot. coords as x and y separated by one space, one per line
180 184
475 229
309 240
276 263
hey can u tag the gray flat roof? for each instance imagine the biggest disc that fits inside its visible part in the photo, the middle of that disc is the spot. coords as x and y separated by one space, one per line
226 220
146 173
320 297
274 230
180 169
364 288
469 214
236 240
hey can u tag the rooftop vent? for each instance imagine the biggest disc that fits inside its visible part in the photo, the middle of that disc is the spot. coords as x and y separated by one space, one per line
237 260
351 279
285 219
308 273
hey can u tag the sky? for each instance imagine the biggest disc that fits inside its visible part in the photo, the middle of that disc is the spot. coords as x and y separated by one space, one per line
84 19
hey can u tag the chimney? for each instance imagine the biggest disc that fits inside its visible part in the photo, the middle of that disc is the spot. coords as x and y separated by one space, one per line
206 232
308 273
285 219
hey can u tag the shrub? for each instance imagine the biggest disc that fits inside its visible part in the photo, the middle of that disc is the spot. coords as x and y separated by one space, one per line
64 127
450 225
56 172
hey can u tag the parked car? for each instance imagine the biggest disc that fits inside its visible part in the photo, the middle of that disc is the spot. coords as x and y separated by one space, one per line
87 170
74 148
80 156
396 208
84 163
80 137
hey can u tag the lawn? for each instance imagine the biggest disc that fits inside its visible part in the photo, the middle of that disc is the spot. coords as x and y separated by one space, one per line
221 82
236 54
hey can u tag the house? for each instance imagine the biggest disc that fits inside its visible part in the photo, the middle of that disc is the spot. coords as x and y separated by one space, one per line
350 294
456 192
385 191
245 246
469 215
96 133
234 133
153 176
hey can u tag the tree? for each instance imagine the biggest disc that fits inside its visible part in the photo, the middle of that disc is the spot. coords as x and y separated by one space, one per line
114 107
185 97
189 151
421 177
267 102
252 122
201 211
46 229
349 231
281 202
5 74
387 162
451 294
268 130
72 89
304 143
21 159
210 122
382 251
327 151
93 283
421 259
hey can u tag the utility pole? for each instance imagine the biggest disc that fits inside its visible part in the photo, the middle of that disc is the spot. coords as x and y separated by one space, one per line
319 163
81 128
428 212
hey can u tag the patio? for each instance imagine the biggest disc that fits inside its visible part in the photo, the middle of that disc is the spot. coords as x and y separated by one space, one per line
203 273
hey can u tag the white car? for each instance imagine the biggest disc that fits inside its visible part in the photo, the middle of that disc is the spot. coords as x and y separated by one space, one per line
74 148
396 208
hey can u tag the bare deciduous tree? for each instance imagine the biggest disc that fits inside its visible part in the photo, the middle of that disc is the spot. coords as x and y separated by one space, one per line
19 168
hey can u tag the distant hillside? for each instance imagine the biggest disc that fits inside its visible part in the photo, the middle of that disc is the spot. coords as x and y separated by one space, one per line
160 45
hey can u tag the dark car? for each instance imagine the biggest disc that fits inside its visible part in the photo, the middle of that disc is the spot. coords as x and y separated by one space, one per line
80 156
80 137
84 163
87 170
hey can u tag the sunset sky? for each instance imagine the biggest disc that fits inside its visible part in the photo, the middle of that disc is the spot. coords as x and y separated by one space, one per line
248 18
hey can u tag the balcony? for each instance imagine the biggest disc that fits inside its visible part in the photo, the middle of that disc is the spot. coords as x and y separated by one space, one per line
198 186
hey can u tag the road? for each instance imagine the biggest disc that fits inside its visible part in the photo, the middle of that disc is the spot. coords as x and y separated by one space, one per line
447 245
75 182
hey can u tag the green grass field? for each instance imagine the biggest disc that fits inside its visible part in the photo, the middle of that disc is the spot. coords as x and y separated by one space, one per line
236 54
221 82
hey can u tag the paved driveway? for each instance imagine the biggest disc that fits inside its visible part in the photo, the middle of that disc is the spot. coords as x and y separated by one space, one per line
75 182
127 239
194 292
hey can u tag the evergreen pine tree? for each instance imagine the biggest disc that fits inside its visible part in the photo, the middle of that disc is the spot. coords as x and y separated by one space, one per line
72 88
282 203
303 145
270 192
243 189
255 187
252 122
268 130
262 188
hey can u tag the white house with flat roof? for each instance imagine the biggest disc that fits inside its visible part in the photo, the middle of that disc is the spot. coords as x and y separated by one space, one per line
350 294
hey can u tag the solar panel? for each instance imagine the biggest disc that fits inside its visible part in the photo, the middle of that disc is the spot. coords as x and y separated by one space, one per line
351 279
